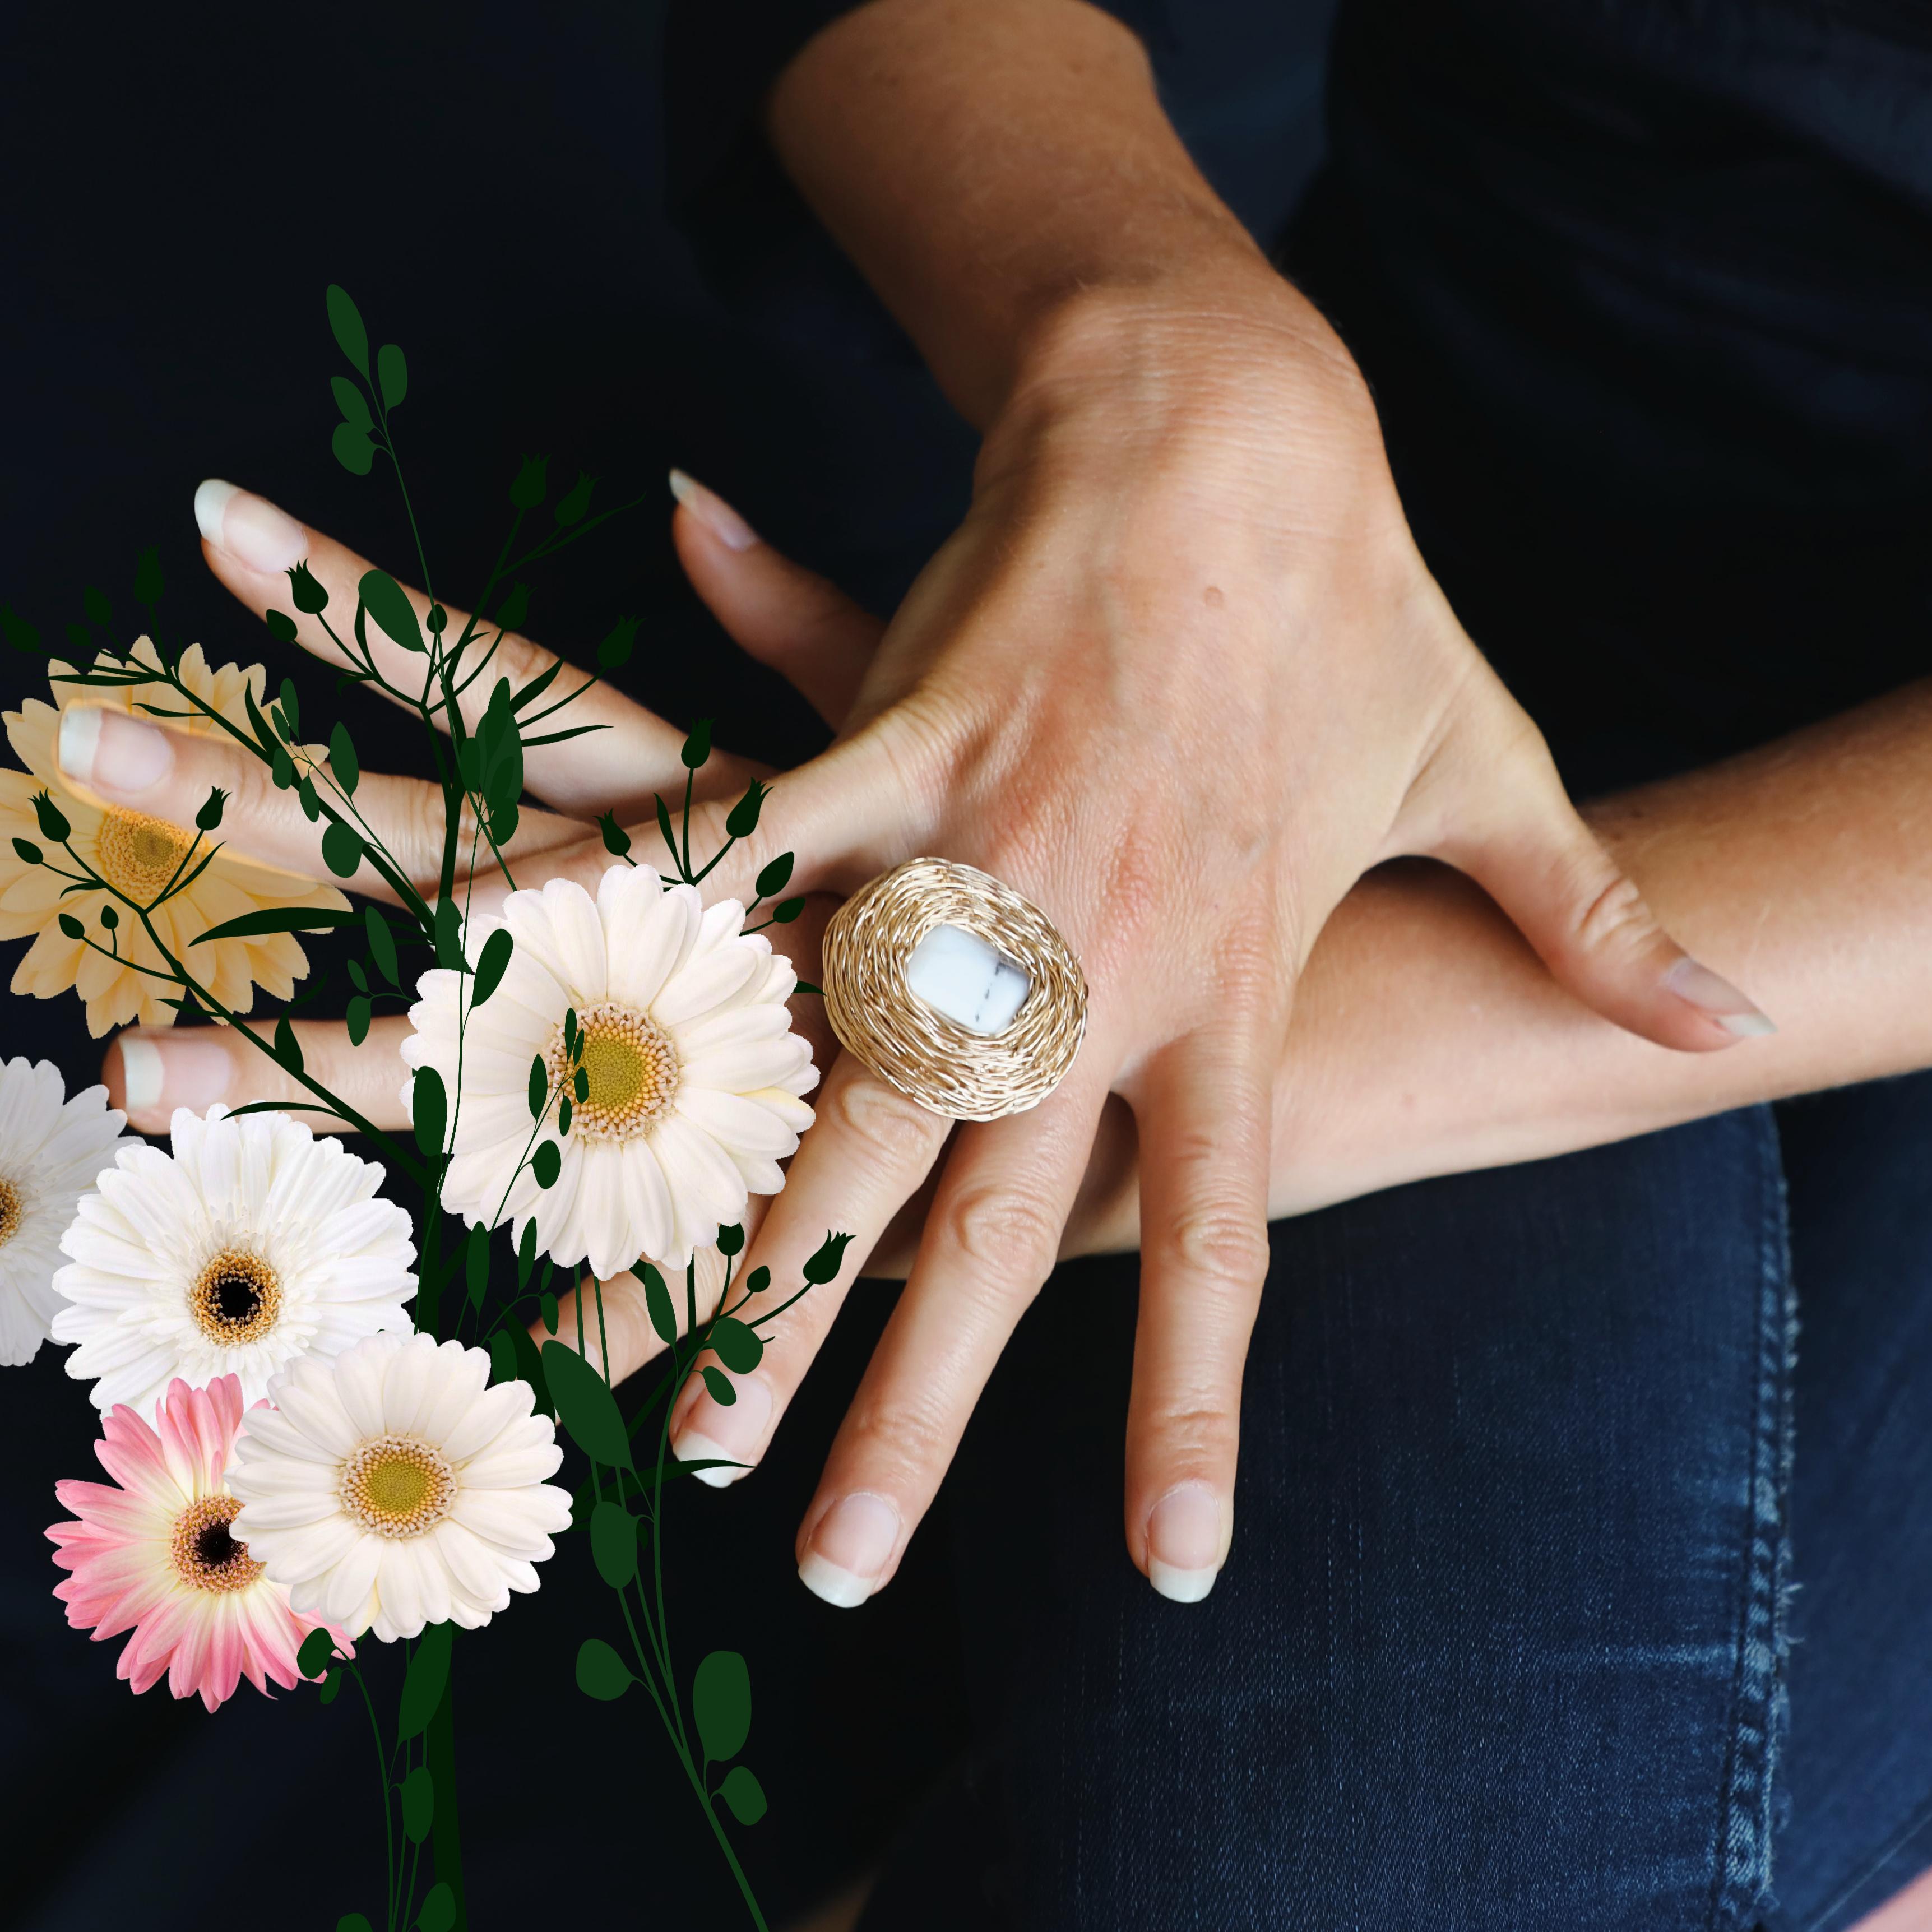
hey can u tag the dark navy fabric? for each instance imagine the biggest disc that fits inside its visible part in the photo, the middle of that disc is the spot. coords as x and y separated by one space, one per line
1499 1643
1525 1580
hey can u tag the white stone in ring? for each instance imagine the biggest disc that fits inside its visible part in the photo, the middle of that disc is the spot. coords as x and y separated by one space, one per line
958 974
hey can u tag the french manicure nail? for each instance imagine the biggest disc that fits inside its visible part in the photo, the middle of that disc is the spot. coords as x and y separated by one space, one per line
192 1072
1185 1548
111 751
1711 994
849 1549
140 1074
712 512
248 527
79 735
714 1434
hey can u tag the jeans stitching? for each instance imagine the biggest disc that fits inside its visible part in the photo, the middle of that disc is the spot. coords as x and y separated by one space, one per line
1741 1877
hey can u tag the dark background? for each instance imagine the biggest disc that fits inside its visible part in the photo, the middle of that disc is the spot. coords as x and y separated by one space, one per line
489 185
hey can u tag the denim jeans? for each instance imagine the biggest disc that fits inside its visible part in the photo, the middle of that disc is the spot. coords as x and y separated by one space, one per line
1565 1591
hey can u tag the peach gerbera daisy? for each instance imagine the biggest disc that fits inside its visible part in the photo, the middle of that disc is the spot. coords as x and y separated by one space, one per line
139 855
152 1551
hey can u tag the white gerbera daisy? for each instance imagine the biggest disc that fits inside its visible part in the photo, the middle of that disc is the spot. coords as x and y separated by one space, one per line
692 1074
392 1484
256 1243
51 1149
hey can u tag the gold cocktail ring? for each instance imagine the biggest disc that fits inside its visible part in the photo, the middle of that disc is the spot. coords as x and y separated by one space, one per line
953 988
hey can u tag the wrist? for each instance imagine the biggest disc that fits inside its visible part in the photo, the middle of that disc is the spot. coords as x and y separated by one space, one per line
1206 317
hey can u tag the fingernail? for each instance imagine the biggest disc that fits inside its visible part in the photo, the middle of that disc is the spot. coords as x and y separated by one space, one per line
1185 1549
712 1433
248 527
849 1549
111 751
191 1072
79 734
1711 993
140 1074
712 512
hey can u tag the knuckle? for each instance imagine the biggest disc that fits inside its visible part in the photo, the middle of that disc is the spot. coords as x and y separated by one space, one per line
896 1131
519 660
1195 1426
902 1434
1003 1233
1614 915
422 825
1220 1248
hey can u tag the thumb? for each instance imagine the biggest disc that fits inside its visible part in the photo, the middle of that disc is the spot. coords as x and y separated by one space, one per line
1528 847
807 630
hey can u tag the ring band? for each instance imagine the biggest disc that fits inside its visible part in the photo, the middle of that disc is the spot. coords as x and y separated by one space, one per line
985 1020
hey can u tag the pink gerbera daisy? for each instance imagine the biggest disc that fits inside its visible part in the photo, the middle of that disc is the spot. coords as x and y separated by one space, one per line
152 1551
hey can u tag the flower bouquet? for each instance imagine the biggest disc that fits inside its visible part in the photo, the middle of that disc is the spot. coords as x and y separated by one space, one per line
327 1418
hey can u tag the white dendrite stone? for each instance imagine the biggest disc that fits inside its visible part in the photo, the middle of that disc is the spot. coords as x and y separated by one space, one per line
51 1150
693 1079
392 1487
256 1242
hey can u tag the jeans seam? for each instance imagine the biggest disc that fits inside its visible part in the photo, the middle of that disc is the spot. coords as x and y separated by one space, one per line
1741 1875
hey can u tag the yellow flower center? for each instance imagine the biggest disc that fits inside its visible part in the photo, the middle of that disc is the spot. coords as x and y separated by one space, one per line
206 1556
398 1486
10 1211
631 1071
139 854
236 1298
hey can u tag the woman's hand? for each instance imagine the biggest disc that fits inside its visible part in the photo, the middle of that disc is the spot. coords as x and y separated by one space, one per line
780 613
1426 1038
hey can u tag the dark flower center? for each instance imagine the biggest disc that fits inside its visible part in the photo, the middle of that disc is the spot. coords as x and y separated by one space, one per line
236 1297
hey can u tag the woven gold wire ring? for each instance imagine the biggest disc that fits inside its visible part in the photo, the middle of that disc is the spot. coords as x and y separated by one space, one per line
923 1052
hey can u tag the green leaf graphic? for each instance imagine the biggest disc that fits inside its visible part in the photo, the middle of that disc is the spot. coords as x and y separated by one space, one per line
383 597
439 1910
392 375
738 1347
418 1805
348 400
430 1109
276 919
657 1300
345 323
492 965
476 1264
353 449
342 759
614 1544
382 945
745 1795
317 1647
601 1673
423 1686
586 1407
721 1700
341 849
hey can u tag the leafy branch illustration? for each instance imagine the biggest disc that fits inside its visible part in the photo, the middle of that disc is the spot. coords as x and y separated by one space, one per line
479 773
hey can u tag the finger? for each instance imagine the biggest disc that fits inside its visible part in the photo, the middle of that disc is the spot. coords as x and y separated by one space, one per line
991 1239
251 545
150 1071
807 629
129 762
844 818
1203 1109
1520 838
868 1151
610 1321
